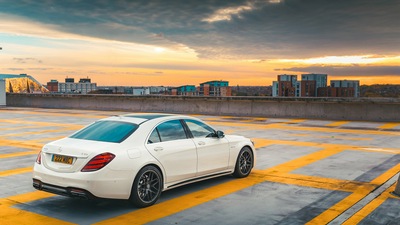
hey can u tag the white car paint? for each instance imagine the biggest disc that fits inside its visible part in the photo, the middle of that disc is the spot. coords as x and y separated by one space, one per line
180 161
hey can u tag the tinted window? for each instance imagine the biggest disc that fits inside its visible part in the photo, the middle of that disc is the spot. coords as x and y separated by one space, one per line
171 130
107 131
199 129
154 137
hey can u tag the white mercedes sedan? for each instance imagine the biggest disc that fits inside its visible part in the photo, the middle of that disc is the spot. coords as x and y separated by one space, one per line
137 156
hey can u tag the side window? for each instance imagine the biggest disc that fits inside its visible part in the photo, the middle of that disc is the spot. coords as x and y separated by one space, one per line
154 137
199 129
171 130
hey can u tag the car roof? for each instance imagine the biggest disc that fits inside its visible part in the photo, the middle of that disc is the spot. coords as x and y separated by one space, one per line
139 118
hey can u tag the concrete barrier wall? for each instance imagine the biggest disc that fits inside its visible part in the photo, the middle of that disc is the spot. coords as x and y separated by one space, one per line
364 109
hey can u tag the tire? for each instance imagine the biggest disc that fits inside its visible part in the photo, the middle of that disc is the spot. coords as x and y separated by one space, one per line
147 187
244 163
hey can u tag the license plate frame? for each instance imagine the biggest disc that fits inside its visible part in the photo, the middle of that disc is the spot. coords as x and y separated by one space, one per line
62 159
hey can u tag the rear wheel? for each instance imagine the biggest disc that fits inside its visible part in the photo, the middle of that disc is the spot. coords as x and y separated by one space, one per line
244 163
147 187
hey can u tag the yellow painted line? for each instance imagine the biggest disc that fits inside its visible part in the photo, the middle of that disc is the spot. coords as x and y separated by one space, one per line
16 154
294 121
306 160
369 208
352 199
340 207
187 201
260 142
337 124
176 205
38 132
333 137
380 150
21 144
42 124
386 175
11 216
389 126
56 114
345 138
313 181
283 126
5 173
337 130
49 139
18 128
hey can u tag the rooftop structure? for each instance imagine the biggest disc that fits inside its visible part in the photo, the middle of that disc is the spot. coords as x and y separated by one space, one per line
22 83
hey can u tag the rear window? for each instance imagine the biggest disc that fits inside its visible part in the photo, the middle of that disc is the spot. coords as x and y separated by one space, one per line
107 131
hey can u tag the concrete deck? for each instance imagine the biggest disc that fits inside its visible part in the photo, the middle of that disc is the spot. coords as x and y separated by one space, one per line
307 172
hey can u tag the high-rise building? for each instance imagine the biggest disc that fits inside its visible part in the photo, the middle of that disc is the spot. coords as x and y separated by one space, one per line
215 88
355 84
83 87
285 86
321 80
188 90
52 86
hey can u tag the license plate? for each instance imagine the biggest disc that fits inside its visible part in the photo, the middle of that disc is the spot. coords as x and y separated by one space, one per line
62 159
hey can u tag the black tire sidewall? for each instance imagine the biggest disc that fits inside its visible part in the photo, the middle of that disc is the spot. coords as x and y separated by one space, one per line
134 198
238 173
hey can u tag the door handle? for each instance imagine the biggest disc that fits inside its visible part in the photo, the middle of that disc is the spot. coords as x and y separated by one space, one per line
158 148
202 143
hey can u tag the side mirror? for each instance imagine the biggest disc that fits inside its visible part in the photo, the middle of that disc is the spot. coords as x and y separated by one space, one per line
220 134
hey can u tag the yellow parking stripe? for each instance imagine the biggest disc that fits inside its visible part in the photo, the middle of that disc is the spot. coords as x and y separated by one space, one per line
43 124
21 144
369 208
352 199
337 124
15 171
307 159
389 125
315 182
11 216
176 205
295 121
91 115
16 154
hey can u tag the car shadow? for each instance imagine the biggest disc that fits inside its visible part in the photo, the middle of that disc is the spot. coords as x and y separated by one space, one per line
83 211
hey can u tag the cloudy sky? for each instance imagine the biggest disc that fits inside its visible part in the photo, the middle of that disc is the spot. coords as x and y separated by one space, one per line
178 42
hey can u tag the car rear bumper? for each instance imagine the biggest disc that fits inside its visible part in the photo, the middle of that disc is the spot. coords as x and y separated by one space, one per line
99 184
69 191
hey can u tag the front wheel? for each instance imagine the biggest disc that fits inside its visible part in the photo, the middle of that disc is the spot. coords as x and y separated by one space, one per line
244 163
147 187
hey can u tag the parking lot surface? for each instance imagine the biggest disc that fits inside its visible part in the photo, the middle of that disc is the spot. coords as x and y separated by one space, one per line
307 172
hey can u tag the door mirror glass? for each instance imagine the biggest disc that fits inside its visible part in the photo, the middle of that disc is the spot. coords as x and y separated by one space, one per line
220 134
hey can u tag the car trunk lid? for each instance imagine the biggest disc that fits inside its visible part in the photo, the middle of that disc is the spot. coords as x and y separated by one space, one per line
70 155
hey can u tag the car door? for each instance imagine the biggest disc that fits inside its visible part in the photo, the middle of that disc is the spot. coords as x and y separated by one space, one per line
212 152
169 144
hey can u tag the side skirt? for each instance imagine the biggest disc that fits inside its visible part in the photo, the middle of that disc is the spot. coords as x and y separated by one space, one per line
198 179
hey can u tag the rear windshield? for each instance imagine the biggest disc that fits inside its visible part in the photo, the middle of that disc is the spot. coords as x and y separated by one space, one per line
107 131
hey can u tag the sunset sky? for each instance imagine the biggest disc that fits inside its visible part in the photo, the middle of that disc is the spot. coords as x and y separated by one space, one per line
179 42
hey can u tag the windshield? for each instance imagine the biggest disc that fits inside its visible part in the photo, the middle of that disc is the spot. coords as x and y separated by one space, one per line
107 131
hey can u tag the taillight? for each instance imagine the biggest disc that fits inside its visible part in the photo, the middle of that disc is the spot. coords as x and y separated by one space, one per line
98 162
39 158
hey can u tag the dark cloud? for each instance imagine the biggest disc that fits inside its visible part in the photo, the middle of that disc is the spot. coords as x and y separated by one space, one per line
264 30
354 70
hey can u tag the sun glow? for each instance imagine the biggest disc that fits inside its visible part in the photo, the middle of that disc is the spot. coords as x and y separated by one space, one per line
159 50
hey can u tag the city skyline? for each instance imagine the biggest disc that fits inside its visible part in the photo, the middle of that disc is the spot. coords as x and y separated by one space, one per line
186 42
